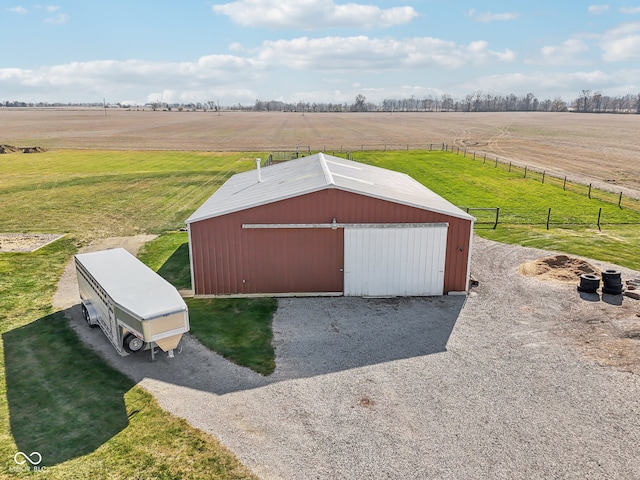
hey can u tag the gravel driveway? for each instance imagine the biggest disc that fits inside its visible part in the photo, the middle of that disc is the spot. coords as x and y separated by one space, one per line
444 387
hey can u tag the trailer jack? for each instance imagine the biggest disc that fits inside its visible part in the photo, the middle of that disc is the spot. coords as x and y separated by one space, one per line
170 354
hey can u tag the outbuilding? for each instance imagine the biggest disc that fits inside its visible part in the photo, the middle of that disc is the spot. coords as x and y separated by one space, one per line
323 225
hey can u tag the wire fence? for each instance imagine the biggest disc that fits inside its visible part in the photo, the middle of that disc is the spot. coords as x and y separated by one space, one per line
551 178
493 216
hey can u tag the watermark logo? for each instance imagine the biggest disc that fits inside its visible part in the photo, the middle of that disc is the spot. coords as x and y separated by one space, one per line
21 458
27 462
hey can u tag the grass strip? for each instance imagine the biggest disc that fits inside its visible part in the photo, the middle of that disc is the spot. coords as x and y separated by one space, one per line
239 329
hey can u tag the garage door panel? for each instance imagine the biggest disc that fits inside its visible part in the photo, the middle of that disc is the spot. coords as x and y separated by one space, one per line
394 260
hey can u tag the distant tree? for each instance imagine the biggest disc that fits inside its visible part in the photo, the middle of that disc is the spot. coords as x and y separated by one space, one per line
359 105
584 99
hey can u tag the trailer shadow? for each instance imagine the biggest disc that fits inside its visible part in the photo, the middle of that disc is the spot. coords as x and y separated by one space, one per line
312 337
64 402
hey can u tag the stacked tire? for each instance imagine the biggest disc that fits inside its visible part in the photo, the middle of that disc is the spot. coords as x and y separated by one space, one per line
589 283
612 282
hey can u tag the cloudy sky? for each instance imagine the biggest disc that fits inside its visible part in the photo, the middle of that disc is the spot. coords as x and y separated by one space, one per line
136 51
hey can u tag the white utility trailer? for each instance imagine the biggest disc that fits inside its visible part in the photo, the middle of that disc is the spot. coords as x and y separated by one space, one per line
135 307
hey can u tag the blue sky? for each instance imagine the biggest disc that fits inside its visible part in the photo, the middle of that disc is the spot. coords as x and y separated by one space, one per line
137 51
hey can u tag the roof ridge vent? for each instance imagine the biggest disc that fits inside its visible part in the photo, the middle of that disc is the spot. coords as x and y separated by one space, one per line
325 169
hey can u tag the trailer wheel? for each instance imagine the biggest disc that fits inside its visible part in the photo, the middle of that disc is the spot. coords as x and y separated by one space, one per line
132 344
87 317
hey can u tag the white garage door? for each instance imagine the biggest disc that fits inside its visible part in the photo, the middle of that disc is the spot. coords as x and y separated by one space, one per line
381 260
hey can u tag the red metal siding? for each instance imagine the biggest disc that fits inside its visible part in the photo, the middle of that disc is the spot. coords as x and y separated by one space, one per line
303 260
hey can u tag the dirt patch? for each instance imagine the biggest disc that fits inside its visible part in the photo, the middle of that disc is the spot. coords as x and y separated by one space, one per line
25 242
12 149
67 294
610 334
557 268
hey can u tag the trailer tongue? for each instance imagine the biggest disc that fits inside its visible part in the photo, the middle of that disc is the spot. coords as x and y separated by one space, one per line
135 307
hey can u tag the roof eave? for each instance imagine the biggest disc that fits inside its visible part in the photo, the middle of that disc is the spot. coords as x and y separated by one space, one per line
462 215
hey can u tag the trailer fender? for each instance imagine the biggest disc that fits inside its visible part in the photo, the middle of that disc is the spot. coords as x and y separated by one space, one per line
89 313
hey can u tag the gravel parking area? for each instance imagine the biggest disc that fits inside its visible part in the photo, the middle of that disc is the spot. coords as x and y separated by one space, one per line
490 386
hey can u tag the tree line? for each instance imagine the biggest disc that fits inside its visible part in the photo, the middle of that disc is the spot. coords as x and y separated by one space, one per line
586 101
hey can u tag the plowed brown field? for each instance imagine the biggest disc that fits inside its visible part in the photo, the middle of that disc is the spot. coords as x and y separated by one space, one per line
603 147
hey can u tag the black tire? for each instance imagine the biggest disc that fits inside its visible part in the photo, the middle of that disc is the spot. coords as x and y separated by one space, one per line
612 291
132 344
611 275
589 283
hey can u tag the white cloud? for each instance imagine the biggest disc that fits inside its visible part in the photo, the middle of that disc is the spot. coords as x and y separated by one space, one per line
630 10
597 9
95 79
313 14
57 19
375 54
546 84
487 17
18 10
622 43
568 53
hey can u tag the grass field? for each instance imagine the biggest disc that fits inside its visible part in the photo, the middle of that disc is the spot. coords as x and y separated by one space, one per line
97 194
52 384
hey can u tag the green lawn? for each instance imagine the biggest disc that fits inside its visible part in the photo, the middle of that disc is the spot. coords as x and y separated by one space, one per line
96 194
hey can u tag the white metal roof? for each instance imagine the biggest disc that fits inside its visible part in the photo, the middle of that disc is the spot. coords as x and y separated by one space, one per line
131 284
318 172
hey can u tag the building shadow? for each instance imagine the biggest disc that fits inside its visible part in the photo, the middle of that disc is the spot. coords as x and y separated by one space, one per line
176 269
312 336
64 402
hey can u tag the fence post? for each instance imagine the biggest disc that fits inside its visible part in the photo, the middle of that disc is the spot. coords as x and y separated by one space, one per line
589 190
485 158
474 154
548 218
599 215
465 152
509 167
430 146
443 146
495 225
543 173
525 171
564 185
496 163
620 200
